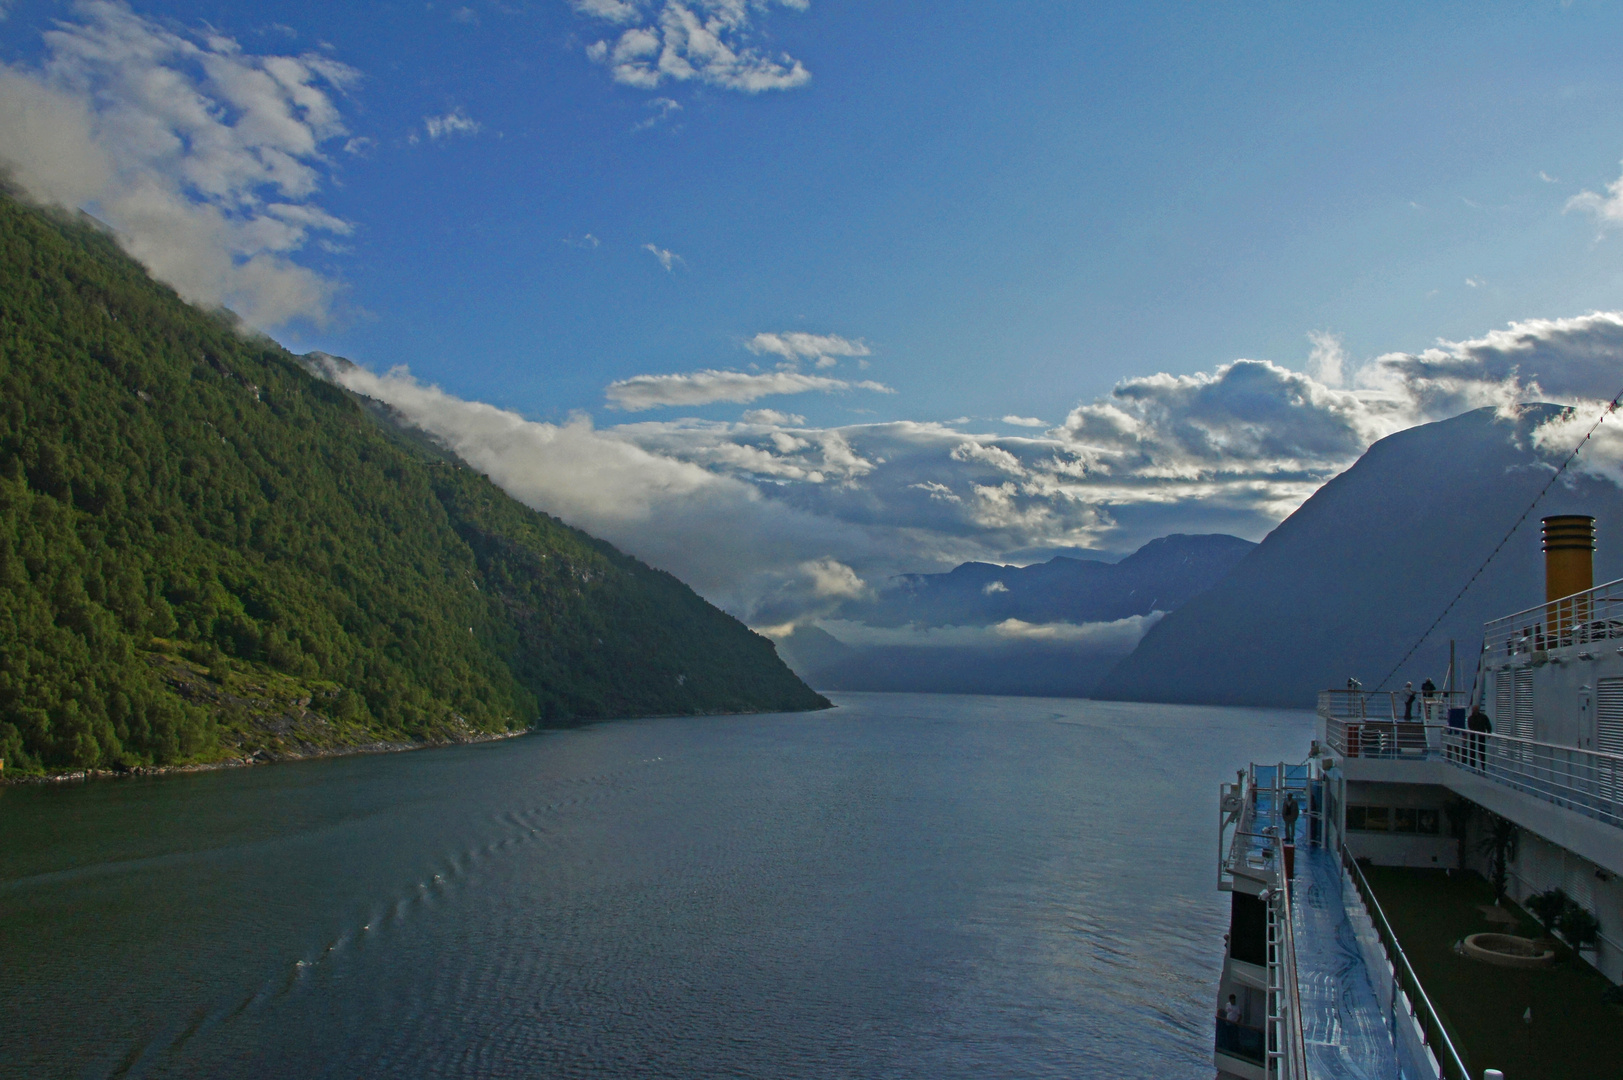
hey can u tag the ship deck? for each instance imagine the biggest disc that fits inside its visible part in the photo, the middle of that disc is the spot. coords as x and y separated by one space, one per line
1344 1025
1554 1022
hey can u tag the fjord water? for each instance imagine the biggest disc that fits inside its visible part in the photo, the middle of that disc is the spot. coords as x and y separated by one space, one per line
905 886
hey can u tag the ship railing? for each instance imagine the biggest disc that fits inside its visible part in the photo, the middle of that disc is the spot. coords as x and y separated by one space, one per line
1593 615
1287 1046
1383 738
1254 845
1587 782
1407 993
1392 706
1238 1040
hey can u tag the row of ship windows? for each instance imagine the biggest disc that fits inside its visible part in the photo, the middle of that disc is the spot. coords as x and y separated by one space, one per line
1393 819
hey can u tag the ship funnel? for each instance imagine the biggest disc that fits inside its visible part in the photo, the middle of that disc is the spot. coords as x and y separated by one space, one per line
1569 555
1569 568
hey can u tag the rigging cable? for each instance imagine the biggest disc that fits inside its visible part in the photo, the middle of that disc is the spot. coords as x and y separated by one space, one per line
1611 407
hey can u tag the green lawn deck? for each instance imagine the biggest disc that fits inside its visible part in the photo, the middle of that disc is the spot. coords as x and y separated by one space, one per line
1573 1034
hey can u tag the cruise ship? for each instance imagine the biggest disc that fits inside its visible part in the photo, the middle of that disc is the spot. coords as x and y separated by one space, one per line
1440 858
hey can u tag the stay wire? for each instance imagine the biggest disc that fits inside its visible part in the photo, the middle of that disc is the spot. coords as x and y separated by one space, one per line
1611 407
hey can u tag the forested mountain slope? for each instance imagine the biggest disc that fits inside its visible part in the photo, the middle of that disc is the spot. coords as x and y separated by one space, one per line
205 551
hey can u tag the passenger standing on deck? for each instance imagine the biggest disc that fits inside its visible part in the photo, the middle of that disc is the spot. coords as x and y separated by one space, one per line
1478 725
1231 1011
1408 702
1428 690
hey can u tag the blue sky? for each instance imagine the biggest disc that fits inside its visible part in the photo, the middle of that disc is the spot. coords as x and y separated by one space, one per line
981 211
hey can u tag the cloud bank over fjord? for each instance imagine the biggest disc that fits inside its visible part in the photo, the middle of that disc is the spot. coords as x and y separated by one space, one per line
710 386
780 521
703 41
642 392
204 158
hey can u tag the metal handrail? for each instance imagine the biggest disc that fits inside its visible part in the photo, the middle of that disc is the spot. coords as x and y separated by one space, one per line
1432 1031
1294 1040
1592 615
1382 738
1588 782
1386 705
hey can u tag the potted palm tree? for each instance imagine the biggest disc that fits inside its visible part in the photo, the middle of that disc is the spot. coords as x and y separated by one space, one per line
1579 927
1500 840
1549 908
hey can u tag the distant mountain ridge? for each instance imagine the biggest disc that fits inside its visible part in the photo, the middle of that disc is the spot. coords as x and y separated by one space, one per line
1163 574
207 553
1346 584
1160 576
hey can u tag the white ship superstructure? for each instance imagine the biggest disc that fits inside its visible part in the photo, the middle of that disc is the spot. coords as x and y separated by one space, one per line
1315 982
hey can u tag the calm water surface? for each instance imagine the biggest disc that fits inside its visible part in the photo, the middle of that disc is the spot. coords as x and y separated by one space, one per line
907 886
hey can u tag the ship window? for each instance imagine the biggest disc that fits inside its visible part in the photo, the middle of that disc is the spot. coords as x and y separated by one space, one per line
1400 819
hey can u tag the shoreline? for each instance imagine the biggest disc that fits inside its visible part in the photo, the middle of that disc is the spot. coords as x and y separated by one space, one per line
257 758
262 757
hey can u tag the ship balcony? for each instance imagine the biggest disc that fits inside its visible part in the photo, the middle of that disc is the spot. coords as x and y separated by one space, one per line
1569 795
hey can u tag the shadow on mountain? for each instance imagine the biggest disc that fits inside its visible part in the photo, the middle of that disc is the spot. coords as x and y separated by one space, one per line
1347 584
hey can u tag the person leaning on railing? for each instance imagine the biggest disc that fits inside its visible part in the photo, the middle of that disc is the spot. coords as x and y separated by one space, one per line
1478 725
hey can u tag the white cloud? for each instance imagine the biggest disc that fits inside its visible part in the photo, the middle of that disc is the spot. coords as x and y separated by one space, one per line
1121 634
707 387
660 509
1025 421
619 11
742 510
587 241
824 350
831 578
667 258
662 109
203 158
1118 636
1328 358
1607 209
1547 178
773 418
992 587
706 41
455 122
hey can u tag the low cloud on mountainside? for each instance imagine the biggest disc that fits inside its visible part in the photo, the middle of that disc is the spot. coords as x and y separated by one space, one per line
764 513
206 159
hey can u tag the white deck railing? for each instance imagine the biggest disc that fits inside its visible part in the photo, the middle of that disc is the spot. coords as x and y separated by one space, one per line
1391 705
1383 738
1287 1047
1594 615
1585 781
